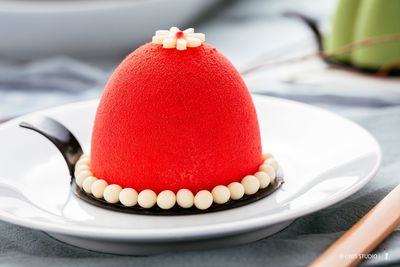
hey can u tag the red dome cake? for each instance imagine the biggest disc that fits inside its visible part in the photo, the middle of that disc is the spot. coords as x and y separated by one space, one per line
172 119
176 126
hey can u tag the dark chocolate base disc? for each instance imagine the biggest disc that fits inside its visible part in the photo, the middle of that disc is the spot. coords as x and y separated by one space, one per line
177 210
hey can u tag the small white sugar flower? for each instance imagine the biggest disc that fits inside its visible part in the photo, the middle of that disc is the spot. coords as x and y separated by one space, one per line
175 38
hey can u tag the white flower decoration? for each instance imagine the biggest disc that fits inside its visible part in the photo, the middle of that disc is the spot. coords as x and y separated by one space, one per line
175 38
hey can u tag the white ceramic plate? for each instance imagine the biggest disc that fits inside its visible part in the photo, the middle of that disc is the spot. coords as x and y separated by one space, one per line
326 158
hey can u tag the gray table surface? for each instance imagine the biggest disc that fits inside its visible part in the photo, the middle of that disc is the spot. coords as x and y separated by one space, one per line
53 81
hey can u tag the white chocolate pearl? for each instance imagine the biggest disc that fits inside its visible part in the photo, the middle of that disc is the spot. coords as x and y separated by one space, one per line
128 197
147 198
185 198
82 167
87 184
266 156
85 156
111 193
268 169
181 44
169 43
263 178
193 42
203 200
166 199
237 190
82 176
98 188
83 161
250 184
221 194
273 163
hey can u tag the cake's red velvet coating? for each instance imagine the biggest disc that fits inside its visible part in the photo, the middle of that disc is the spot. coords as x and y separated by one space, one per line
172 119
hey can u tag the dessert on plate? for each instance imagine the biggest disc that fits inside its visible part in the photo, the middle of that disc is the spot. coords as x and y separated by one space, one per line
175 132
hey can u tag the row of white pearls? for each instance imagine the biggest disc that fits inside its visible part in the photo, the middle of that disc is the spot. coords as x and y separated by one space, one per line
167 199
175 38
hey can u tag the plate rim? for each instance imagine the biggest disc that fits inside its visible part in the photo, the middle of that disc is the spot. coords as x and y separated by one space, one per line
193 232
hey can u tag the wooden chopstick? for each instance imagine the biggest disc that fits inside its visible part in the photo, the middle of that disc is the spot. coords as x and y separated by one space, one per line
365 235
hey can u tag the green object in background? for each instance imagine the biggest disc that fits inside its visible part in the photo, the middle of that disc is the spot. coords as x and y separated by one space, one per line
357 20
377 18
343 27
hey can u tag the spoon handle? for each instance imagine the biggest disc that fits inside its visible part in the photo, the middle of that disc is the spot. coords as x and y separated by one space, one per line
59 135
365 235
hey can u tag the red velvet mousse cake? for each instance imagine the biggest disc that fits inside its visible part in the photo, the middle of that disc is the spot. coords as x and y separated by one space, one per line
175 128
